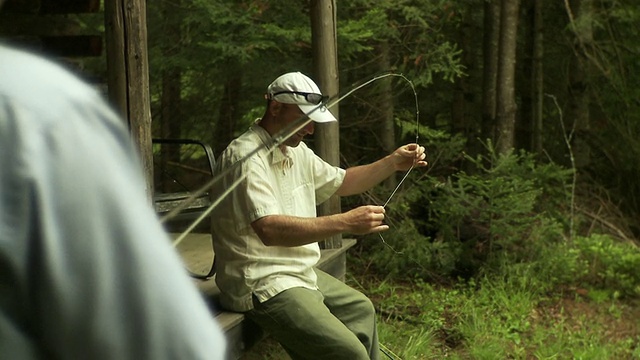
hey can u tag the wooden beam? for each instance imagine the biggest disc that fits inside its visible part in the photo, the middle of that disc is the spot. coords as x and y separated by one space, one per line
325 63
72 46
21 6
50 25
69 6
52 6
116 65
128 73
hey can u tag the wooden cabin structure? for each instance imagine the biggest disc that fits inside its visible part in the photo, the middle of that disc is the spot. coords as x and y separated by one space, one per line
113 33
76 31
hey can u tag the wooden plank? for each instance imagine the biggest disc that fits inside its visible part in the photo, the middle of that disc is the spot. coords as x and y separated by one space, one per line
167 202
21 6
128 69
72 46
139 114
196 250
50 25
229 320
52 6
325 64
116 64
69 6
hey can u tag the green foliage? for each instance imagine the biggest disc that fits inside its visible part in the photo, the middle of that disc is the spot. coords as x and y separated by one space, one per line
356 35
507 316
225 52
416 319
489 330
599 263
421 254
610 52
508 211
411 29
610 265
615 139
403 252
558 264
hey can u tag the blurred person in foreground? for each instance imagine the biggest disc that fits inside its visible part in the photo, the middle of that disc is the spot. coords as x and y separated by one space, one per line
86 270
267 231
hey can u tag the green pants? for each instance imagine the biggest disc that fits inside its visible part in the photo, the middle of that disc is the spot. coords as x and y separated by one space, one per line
335 322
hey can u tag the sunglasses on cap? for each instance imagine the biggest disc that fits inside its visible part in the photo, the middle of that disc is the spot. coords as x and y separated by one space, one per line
312 98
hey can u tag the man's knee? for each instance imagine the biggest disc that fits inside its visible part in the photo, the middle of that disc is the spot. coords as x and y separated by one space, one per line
365 305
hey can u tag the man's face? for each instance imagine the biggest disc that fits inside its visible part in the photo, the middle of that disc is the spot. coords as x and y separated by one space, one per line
289 114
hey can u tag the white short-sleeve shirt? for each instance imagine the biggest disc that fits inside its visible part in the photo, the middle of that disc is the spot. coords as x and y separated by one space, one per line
289 182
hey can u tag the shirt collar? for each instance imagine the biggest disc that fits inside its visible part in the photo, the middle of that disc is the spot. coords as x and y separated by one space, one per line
277 155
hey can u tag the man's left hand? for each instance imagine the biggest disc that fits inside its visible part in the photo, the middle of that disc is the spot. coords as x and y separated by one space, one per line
409 155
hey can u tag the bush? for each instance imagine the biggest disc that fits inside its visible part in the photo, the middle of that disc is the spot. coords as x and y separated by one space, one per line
506 210
610 265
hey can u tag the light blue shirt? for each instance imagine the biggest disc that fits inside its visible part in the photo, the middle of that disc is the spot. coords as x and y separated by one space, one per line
86 271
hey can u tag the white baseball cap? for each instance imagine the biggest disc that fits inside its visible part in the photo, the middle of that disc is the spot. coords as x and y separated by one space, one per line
297 88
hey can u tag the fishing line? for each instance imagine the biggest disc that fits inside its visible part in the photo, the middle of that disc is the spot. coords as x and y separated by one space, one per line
277 140
184 234
388 353
415 95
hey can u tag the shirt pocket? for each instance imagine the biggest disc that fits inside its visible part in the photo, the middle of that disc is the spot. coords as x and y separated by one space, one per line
304 200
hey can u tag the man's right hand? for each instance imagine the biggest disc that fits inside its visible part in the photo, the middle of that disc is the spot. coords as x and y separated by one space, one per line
285 230
365 220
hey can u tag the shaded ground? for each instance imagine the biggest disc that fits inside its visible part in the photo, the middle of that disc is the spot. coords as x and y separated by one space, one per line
575 312
612 321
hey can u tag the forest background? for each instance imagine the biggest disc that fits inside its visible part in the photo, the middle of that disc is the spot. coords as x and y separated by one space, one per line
520 239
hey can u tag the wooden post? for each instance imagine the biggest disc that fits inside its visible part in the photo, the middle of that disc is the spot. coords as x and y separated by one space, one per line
325 58
128 73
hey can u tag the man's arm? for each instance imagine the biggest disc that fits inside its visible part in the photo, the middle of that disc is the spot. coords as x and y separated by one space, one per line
283 230
359 179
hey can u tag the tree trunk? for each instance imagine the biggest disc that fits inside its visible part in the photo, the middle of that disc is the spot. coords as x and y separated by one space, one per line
529 123
325 63
128 74
530 78
458 106
579 72
537 97
491 42
461 122
506 104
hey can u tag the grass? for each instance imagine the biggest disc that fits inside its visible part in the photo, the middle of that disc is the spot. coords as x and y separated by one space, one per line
513 316
494 319
497 319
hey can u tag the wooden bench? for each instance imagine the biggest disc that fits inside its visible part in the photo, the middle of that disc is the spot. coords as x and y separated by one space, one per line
197 252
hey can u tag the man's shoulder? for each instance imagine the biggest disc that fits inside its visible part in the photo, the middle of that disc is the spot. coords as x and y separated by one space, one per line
242 146
47 93
29 75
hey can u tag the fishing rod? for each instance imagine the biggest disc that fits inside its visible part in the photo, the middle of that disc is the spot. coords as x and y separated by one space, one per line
275 142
